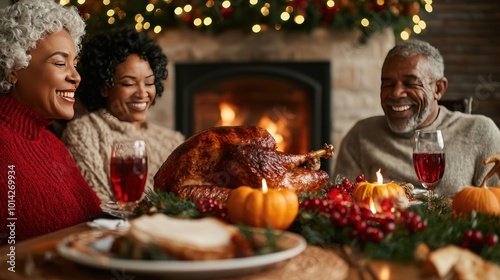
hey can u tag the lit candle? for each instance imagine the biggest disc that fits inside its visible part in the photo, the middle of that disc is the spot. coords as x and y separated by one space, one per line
372 194
264 207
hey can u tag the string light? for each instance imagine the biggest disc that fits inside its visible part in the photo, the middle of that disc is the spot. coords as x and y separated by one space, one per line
422 24
299 19
257 15
256 28
285 16
365 22
207 21
405 34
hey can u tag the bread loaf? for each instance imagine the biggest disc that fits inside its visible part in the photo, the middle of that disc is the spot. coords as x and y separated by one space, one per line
459 263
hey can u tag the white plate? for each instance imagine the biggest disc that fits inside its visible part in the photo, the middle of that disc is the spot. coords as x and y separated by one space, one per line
94 245
113 209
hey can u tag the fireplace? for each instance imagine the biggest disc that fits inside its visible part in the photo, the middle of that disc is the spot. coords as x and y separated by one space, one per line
289 99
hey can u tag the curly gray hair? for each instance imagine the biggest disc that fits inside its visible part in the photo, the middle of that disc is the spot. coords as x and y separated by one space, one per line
417 47
27 21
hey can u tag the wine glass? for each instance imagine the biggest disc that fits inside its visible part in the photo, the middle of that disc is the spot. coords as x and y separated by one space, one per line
128 172
429 159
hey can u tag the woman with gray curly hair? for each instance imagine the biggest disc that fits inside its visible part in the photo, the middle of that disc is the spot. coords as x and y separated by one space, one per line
42 189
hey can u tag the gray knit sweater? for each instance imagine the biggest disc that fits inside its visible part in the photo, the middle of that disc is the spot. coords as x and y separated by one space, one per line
89 140
468 140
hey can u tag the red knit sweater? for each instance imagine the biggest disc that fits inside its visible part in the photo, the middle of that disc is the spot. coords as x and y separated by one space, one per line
47 191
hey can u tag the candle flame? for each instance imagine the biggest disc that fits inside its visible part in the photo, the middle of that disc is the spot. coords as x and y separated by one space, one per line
372 207
380 179
264 186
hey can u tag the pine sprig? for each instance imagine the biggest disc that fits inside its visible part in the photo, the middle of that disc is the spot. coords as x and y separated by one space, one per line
169 204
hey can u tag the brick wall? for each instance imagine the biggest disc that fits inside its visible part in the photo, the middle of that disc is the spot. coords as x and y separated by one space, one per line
468 35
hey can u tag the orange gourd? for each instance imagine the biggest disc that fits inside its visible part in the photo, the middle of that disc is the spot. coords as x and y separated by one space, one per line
367 192
482 199
276 209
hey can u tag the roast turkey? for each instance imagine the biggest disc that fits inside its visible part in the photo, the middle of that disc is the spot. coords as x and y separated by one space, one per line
213 162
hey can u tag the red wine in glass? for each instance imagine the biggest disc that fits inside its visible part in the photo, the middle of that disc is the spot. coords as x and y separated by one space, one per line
128 173
128 178
429 168
429 159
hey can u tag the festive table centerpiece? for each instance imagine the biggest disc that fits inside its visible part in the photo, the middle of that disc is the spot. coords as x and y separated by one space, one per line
333 216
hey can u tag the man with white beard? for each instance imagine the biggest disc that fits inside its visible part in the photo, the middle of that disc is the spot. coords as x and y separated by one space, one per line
412 82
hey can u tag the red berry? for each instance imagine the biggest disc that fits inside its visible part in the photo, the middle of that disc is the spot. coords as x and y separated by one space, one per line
354 219
374 234
421 225
360 178
388 226
316 202
355 209
361 225
335 216
490 239
477 237
468 235
342 222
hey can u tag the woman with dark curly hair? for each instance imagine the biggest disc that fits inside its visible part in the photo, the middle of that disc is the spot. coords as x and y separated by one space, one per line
122 74
42 189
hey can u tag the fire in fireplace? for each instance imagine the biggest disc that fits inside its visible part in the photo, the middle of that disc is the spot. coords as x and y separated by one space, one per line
289 99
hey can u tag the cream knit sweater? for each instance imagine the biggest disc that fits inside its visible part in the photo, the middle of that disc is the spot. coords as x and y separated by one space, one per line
89 139
468 140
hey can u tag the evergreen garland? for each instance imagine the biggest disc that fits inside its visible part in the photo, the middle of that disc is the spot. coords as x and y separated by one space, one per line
215 16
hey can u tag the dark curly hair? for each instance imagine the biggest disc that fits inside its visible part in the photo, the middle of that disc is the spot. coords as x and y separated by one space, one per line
101 55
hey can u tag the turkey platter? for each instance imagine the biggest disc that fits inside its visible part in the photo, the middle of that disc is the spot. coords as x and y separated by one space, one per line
213 162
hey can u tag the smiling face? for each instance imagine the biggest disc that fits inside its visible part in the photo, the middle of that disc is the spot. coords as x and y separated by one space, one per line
48 84
133 91
408 95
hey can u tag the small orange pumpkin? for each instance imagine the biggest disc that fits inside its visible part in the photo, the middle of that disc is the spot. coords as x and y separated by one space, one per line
367 192
481 199
253 207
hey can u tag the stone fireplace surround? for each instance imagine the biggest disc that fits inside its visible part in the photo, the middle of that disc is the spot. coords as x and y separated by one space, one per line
355 66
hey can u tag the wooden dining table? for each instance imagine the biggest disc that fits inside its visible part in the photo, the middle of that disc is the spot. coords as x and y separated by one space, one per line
37 258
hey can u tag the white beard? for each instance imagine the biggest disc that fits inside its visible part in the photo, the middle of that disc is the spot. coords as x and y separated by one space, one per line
413 123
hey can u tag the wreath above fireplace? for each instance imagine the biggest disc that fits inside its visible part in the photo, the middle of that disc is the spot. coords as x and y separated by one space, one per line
216 16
